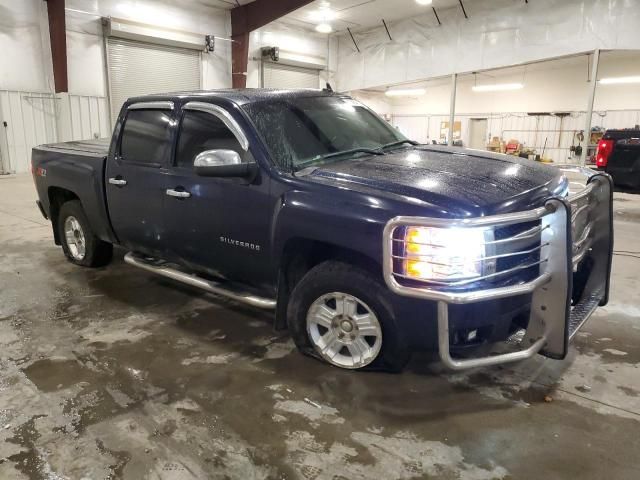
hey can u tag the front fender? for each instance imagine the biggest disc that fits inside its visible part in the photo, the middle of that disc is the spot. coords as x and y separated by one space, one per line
345 221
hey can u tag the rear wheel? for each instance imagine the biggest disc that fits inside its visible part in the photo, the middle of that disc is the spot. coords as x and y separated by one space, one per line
79 243
341 315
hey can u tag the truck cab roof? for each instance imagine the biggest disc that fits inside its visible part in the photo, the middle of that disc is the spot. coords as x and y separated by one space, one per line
237 96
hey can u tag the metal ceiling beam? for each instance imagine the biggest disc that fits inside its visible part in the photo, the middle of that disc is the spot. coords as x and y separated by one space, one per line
353 39
58 36
436 15
463 9
387 29
250 17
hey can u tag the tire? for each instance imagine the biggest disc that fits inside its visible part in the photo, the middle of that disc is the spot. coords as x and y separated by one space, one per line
320 327
87 250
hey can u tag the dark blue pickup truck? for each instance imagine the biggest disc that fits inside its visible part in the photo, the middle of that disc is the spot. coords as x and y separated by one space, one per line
366 245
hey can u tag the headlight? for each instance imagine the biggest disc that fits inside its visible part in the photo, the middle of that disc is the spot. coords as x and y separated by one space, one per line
447 254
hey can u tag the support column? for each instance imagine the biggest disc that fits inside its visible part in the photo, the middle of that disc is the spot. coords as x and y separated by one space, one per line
58 36
239 59
592 95
452 107
247 18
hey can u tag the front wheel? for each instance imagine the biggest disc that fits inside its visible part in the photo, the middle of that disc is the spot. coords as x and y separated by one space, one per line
340 314
79 243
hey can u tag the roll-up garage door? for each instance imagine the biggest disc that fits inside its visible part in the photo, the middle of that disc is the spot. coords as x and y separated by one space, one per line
277 75
138 68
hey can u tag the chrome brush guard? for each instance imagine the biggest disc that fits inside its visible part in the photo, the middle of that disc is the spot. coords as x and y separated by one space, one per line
575 236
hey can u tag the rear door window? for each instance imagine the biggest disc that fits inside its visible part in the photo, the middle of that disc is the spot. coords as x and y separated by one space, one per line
146 137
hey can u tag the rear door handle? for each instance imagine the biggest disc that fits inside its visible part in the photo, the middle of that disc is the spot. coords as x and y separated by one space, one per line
178 193
117 181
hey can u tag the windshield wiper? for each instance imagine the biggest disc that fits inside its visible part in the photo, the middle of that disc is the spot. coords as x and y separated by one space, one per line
396 144
319 158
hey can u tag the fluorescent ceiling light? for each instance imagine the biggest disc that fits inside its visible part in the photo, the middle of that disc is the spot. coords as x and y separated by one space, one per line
324 28
424 2
405 92
619 80
323 14
497 87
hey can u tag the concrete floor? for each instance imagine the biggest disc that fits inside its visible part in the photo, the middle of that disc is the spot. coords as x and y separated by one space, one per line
114 373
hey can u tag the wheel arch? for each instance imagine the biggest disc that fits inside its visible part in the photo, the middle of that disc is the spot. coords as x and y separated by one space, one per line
299 255
58 196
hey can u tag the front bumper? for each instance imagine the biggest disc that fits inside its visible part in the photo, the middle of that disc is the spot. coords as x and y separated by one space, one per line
574 238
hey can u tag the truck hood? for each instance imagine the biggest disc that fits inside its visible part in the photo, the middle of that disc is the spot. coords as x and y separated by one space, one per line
451 181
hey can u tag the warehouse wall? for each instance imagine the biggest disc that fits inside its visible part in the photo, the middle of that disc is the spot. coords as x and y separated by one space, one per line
34 115
307 45
85 46
535 30
26 82
550 86
543 133
554 86
25 54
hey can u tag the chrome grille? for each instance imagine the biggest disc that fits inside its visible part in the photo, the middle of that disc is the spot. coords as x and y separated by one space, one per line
582 226
524 242
524 250
514 255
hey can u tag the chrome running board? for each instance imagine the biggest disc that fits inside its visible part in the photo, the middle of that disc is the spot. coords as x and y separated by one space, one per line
198 282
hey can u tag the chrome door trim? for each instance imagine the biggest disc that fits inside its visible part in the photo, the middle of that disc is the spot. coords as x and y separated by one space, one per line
117 181
177 193
156 105
223 115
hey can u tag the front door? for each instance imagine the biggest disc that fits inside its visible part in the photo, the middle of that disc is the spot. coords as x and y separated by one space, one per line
136 178
478 133
219 225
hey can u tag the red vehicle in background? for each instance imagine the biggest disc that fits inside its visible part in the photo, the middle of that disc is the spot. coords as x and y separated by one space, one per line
618 154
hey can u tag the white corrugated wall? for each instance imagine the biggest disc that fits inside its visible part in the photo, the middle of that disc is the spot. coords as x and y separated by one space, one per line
88 117
30 119
36 118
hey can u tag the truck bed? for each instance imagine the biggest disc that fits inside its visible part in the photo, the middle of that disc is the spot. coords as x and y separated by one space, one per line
75 169
99 147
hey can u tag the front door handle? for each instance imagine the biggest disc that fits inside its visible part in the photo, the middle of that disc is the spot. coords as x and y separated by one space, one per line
178 193
117 181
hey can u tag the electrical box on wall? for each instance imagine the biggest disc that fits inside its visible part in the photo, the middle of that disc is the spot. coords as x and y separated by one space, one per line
270 53
284 57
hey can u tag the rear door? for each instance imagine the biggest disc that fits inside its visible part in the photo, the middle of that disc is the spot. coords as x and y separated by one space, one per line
220 225
136 176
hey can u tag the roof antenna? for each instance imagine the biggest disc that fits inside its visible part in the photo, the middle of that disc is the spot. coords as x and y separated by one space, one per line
328 88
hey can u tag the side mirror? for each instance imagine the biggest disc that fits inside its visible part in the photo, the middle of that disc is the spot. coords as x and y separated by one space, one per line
222 163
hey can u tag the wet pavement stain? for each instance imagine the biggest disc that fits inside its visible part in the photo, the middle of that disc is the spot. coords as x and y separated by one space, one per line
55 374
29 461
122 458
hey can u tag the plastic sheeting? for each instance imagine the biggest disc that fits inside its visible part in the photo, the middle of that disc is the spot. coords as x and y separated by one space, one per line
498 33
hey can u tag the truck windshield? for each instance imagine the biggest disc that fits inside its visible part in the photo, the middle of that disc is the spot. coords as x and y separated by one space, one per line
307 131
